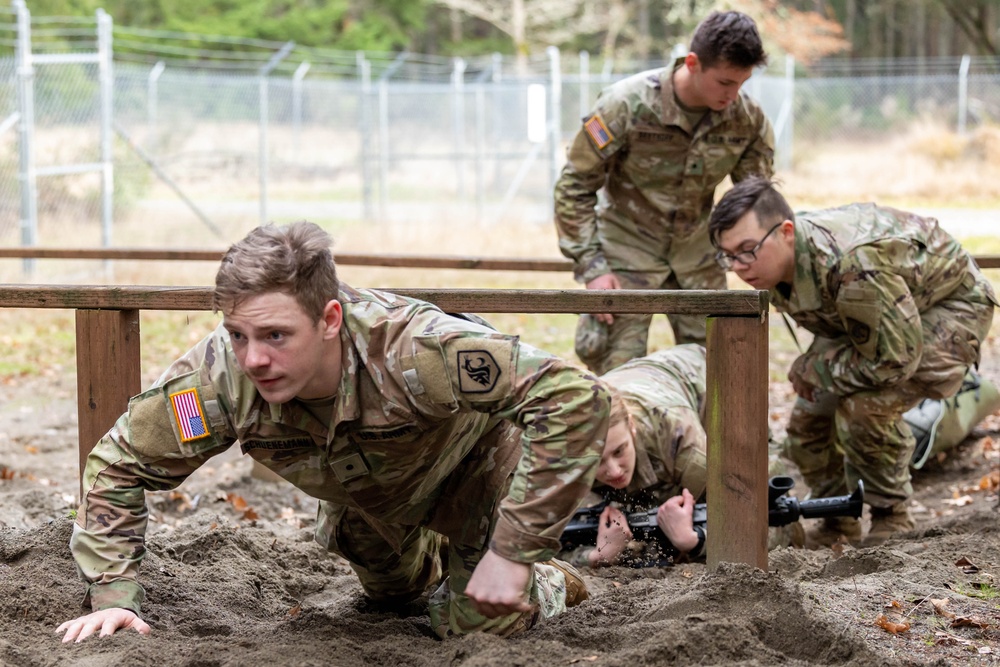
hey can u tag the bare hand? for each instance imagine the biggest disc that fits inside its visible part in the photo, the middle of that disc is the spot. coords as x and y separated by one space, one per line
499 586
613 535
607 281
676 519
106 620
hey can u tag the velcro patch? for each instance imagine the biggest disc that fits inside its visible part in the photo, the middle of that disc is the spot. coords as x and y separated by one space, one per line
467 368
598 131
169 421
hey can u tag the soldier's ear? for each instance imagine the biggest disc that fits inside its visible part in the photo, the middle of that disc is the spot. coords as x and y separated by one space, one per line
788 230
692 62
333 318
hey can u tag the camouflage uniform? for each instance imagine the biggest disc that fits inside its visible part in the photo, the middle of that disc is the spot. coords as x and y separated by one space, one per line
665 394
636 192
440 427
899 310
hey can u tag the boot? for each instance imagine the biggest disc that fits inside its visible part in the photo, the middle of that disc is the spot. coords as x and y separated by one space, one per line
576 588
831 530
888 522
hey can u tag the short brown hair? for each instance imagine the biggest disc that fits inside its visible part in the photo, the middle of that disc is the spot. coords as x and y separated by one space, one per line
754 193
728 37
294 259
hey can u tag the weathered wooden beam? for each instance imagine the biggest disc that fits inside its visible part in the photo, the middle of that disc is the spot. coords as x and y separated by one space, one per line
346 258
680 302
107 371
736 416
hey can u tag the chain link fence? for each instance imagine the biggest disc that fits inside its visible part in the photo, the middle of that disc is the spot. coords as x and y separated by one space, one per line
203 138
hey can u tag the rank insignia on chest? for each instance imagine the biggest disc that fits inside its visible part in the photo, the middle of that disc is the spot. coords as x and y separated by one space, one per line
598 131
189 416
478 371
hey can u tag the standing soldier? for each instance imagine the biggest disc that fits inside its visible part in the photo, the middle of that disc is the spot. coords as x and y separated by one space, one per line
899 311
632 203
408 424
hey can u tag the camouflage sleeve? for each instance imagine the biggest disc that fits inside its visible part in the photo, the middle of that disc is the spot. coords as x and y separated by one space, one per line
882 322
604 133
691 444
167 432
758 158
562 411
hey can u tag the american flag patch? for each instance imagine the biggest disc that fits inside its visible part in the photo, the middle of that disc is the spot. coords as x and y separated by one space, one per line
187 411
598 131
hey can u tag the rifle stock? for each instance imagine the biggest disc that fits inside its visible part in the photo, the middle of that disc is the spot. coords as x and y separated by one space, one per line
782 510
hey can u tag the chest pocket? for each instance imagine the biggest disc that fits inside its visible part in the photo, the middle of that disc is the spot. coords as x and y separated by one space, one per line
860 312
656 155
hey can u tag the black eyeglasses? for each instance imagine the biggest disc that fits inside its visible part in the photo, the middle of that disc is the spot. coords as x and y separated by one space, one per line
725 260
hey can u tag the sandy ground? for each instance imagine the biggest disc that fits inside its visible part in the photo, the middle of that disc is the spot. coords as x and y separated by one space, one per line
233 578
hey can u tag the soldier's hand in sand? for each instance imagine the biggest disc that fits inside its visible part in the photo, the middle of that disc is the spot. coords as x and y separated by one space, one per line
499 586
676 519
613 535
607 281
106 620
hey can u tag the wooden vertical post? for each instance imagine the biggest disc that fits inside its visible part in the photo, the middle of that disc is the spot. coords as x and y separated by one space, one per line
107 371
736 416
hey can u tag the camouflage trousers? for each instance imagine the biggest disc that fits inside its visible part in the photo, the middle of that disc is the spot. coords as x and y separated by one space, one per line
392 576
837 440
628 335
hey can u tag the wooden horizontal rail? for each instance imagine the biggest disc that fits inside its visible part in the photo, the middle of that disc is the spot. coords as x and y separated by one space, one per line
731 303
346 259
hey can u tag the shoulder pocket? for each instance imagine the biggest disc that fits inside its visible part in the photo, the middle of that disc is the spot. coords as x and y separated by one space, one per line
178 419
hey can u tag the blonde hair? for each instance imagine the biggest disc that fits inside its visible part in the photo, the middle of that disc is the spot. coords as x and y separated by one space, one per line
619 409
294 259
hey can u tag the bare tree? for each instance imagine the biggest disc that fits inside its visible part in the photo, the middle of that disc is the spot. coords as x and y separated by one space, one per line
973 18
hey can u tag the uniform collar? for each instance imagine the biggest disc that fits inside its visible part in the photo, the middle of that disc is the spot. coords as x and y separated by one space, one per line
805 294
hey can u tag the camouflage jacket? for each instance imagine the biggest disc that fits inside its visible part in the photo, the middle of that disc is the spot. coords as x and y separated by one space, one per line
655 172
665 395
418 390
867 272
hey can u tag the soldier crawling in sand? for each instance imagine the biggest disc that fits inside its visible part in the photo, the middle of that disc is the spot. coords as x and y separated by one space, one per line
409 425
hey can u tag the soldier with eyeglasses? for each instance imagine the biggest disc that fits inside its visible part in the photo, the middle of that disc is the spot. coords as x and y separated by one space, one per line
898 310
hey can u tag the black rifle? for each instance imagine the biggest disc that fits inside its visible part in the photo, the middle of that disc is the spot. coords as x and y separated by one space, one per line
782 510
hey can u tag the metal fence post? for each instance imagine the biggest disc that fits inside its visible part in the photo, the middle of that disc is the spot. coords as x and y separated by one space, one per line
384 156
789 133
555 124
26 104
153 103
458 118
265 113
300 73
496 77
963 92
106 73
364 123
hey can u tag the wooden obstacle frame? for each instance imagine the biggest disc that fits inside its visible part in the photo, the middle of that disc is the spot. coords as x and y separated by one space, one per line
108 373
